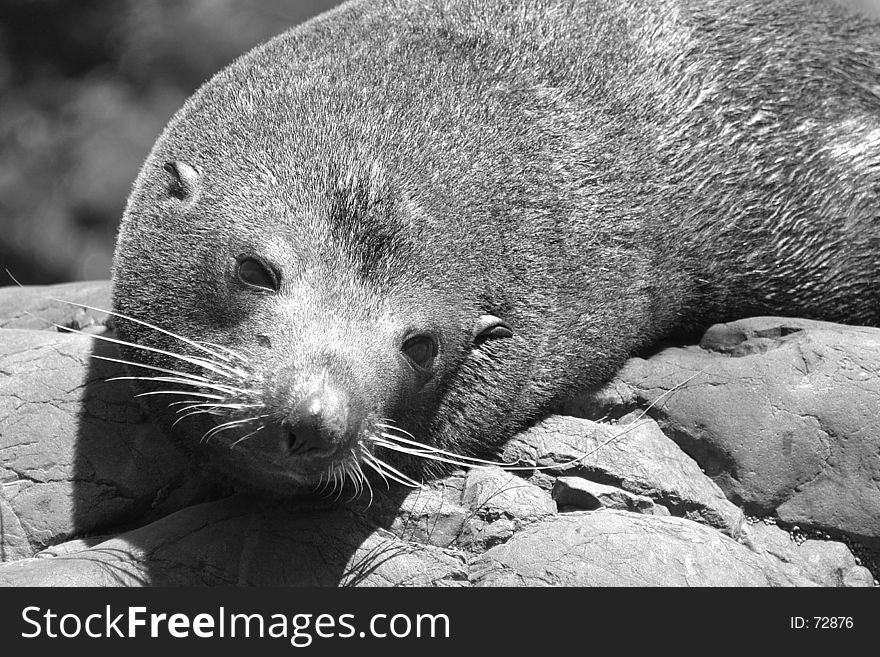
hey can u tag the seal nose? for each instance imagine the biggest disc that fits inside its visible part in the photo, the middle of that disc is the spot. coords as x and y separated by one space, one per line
317 426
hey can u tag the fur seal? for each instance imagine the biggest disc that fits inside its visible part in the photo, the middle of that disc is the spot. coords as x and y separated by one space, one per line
408 228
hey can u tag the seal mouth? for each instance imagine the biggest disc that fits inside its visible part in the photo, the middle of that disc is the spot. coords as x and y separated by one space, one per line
276 452
284 457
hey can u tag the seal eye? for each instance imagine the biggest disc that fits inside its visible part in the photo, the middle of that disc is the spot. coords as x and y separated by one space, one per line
420 350
254 273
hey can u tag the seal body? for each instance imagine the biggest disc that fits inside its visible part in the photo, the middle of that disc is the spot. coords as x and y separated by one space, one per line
437 219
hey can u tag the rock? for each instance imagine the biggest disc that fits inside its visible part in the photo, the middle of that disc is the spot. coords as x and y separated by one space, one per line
236 542
427 516
616 548
492 492
635 457
77 454
584 494
500 503
40 307
784 415
827 563
14 543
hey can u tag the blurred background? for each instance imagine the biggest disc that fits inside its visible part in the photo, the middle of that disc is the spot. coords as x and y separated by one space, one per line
85 89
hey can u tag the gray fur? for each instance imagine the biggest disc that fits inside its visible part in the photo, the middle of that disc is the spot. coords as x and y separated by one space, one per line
596 174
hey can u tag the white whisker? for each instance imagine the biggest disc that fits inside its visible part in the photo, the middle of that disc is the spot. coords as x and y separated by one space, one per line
184 382
224 427
394 473
428 455
338 483
386 424
232 407
146 324
229 351
193 413
257 430
368 459
365 481
352 475
192 360
154 368
181 392
435 450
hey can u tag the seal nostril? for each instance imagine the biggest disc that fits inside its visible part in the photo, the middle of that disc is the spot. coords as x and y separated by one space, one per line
304 438
292 437
289 442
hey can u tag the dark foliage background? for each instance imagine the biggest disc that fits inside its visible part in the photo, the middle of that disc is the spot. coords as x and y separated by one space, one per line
85 89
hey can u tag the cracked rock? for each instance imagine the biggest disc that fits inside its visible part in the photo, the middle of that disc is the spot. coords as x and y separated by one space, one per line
77 454
428 516
236 542
783 414
491 491
827 563
616 548
580 493
636 457
500 503
14 544
40 307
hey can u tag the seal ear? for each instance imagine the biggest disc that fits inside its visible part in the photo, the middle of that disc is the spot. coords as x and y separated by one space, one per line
184 178
490 326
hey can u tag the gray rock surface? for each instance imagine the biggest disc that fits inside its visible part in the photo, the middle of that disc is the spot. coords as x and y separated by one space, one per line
92 494
783 414
430 515
584 494
41 307
635 456
237 542
615 548
77 454
827 563
500 503
491 492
